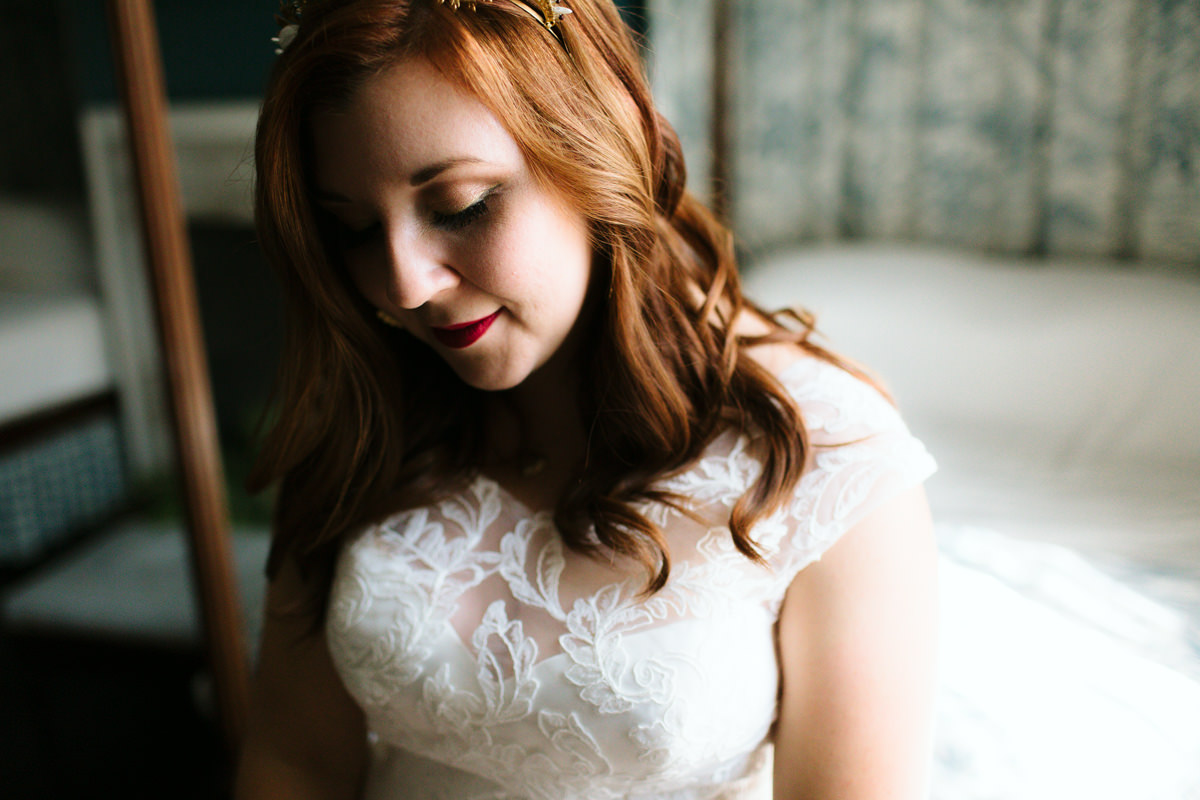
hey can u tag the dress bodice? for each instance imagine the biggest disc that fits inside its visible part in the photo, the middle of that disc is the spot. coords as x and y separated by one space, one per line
493 662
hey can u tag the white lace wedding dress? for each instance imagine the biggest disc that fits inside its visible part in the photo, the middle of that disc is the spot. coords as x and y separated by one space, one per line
491 662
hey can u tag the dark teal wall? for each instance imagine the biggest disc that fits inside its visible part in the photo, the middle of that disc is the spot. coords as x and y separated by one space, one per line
55 58
39 148
211 48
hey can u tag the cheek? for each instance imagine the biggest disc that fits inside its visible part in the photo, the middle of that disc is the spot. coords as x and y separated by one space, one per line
566 258
576 267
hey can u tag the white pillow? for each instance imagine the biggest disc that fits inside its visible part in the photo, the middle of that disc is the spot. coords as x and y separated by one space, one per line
45 246
1082 360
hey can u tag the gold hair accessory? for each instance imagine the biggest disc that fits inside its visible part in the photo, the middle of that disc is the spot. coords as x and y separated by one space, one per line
387 319
544 11
290 12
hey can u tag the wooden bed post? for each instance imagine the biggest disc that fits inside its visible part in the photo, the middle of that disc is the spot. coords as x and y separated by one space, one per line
140 75
720 166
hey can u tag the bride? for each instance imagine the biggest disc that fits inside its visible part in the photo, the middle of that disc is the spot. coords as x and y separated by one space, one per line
560 513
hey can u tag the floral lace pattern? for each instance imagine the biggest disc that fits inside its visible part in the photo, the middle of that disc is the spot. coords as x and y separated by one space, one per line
485 653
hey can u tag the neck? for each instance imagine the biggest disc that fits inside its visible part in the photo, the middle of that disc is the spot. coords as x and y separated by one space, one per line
544 411
535 433
536 437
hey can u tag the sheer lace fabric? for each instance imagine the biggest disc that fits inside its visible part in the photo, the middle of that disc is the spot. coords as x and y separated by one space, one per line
492 662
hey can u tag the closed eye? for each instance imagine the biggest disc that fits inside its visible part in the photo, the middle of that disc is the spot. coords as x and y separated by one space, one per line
461 219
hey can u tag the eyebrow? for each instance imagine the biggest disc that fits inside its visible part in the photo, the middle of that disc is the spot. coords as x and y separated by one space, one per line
427 174
419 178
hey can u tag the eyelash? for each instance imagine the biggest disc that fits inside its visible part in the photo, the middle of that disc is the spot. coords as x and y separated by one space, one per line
462 219
456 221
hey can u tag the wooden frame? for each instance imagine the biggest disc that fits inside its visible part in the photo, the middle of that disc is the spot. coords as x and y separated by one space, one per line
140 76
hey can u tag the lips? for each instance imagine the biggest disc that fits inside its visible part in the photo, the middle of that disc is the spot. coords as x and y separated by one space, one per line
466 333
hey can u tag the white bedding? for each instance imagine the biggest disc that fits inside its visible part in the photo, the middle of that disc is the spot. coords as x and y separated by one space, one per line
51 351
51 325
1062 401
1057 682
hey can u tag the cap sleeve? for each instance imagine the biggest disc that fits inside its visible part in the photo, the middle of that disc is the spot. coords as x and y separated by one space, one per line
862 455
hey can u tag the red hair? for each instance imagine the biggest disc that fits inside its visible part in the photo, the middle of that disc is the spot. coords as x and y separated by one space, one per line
350 442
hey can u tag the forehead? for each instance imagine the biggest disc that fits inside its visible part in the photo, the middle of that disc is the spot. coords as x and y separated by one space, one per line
404 119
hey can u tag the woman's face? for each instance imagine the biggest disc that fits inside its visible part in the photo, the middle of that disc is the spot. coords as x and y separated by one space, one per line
444 227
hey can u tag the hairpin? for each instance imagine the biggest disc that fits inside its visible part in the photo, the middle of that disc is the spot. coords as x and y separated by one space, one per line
544 11
290 12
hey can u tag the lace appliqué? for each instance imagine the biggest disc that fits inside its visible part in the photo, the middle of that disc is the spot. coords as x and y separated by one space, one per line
472 638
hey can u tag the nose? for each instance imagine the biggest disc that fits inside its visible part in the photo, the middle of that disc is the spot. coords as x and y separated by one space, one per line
418 270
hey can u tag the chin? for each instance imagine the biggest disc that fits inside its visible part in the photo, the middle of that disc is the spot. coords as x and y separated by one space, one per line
490 380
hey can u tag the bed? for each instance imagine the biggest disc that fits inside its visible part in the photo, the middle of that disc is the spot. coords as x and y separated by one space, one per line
1060 398
996 207
83 381
61 467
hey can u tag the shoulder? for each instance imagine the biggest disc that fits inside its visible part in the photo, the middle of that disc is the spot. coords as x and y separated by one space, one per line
837 401
839 407
861 456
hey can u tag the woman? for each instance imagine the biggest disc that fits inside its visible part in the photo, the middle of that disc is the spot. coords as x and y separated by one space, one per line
557 506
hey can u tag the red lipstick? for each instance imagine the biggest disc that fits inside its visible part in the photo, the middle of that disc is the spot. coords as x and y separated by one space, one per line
466 333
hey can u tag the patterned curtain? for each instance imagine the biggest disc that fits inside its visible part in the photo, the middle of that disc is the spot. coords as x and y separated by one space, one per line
1023 126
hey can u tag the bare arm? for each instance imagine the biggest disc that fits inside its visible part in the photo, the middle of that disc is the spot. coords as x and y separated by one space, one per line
306 738
857 636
